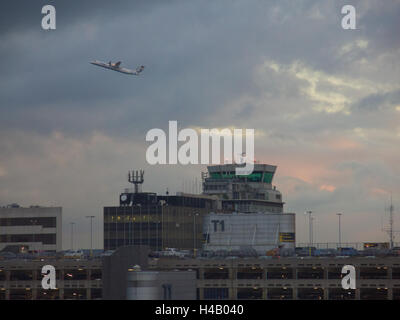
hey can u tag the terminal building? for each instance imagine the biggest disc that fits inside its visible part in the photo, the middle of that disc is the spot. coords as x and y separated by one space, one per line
261 232
34 228
159 221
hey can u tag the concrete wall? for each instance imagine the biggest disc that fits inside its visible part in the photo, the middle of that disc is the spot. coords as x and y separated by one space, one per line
161 285
115 270
258 230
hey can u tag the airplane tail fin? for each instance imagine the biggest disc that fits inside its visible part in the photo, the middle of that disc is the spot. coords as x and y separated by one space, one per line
139 69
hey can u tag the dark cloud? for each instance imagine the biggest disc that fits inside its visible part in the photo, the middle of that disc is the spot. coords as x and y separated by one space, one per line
379 101
199 56
23 15
381 23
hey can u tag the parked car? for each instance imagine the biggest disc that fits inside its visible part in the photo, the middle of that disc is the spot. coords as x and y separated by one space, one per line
395 251
172 252
107 253
74 254
348 251
325 252
26 256
305 251
4 255
377 252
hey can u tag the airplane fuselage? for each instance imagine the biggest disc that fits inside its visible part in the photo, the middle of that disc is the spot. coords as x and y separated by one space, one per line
113 67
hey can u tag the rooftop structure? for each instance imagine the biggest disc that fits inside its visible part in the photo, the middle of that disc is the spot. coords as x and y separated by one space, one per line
243 193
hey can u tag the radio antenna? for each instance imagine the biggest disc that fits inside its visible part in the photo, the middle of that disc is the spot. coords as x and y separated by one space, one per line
136 178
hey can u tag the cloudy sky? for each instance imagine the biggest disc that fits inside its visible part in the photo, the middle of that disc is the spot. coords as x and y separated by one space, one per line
325 102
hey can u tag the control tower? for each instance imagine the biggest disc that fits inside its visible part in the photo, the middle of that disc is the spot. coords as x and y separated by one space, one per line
244 193
252 216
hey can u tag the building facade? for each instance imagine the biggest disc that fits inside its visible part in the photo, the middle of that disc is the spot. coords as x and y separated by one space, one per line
290 278
214 279
35 228
75 280
157 221
259 231
161 285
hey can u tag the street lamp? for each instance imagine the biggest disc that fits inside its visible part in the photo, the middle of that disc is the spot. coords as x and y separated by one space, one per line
33 221
310 229
140 224
340 232
91 234
194 233
162 203
72 235
148 227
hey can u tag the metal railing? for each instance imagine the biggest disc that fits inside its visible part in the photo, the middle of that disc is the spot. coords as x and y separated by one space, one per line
336 245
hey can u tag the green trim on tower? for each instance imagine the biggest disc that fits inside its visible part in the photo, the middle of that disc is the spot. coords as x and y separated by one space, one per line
253 177
268 176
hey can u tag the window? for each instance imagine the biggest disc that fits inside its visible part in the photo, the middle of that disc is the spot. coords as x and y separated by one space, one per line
216 293
45 222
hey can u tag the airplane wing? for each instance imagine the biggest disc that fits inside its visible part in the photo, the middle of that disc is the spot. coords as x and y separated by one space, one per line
117 64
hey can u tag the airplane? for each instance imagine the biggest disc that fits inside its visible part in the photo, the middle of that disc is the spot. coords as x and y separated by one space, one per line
116 67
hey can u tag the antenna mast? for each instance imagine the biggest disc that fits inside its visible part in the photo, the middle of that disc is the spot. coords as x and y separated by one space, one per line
136 178
391 209
390 230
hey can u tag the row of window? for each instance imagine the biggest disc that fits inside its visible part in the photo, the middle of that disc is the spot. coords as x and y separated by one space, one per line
45 222
111 244
302 294
74 274
149 217
259 274
134 227
256 176
49 238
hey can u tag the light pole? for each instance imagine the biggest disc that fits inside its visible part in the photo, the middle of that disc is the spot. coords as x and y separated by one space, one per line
162 203
194 233
72 235
33 221
340 232
157 225
162 225
140 224
148 226
130 229
91 234
310 230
